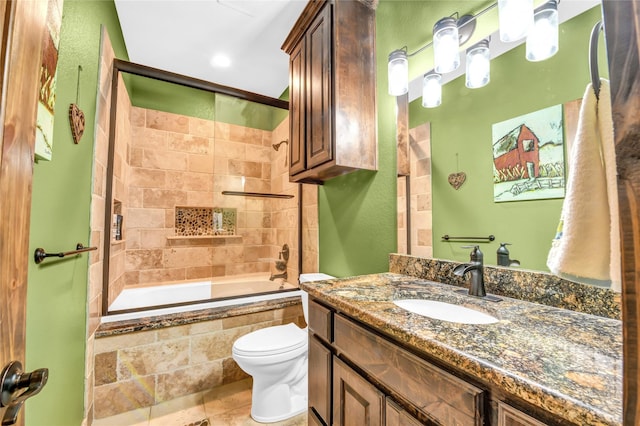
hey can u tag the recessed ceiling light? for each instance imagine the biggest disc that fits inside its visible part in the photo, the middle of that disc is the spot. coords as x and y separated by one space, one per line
220 61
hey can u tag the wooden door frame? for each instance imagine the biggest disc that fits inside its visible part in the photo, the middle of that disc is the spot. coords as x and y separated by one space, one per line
622 29
22 28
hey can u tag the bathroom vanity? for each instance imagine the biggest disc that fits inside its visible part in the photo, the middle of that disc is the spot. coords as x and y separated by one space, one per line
372 362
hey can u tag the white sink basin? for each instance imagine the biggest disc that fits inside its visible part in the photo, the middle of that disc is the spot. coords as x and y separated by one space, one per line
445 311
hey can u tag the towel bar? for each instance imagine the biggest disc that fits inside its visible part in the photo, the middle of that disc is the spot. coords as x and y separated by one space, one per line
40 254
449 238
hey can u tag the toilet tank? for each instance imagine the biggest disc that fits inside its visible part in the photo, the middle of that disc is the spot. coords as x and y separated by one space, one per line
305 278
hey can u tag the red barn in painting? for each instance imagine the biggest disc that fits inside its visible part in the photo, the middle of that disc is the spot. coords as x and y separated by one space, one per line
516 154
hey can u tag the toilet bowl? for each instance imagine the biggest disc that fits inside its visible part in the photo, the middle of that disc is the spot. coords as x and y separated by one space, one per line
276 358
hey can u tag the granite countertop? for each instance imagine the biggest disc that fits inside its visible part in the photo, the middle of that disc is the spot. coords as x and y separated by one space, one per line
566 362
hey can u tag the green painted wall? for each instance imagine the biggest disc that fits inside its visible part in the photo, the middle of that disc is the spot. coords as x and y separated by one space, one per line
357 212
57 291
461 140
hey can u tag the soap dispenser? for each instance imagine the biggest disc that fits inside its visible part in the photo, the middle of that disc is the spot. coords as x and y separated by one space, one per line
503 256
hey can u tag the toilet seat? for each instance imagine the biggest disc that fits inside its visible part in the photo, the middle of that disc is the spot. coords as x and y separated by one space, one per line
270 341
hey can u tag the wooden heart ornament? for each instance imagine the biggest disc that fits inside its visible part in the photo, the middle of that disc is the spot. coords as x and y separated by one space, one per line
76 119
457 179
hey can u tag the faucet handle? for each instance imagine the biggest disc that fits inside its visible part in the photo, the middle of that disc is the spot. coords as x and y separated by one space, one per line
475 255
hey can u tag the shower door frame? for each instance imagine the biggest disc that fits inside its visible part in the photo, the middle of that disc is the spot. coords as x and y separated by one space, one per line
121 66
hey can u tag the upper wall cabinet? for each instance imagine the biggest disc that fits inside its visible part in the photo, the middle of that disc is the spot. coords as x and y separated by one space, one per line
332 88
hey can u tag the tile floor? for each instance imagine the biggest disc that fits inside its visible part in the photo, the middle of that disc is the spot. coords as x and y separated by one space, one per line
228 405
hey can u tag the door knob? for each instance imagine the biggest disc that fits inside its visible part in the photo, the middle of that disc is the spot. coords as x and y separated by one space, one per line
16 386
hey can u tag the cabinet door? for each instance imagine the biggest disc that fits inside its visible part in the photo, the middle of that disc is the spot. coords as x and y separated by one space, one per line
356 402
320 379
297 80
396 416
319 125
509 416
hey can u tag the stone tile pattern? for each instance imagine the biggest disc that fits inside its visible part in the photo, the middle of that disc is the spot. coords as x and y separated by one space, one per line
98 196
420 186
198 221
531 286
167 360
565 362
284 212
227 405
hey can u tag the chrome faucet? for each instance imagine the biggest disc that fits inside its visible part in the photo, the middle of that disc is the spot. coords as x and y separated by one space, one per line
475 268
281 265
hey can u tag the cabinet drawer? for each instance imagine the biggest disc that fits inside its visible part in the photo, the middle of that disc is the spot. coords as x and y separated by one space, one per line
439 395
320 321
320 379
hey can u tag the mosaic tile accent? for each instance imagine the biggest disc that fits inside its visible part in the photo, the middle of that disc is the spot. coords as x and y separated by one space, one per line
205 221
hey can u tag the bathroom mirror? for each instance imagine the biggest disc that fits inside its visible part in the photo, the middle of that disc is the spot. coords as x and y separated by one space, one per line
458 134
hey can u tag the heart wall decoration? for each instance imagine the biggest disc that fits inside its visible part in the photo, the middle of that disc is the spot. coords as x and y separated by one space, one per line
457 179
76 120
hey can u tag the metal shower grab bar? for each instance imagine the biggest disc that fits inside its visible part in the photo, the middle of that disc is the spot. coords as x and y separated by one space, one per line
593 58
40 254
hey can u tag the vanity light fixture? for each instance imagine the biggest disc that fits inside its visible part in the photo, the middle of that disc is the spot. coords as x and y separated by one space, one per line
445 45
398 72
515 18
478 65
431 90
542 40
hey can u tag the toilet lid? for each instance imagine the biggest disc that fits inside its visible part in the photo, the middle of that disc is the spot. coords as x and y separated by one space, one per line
271 341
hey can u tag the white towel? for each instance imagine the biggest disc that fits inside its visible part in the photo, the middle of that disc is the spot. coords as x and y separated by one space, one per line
587 244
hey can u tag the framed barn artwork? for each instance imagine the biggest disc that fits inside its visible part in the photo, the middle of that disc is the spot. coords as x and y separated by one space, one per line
528 156
48 74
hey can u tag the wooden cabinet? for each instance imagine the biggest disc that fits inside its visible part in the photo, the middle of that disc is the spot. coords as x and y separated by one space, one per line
396 416
354 372
509 416
332 90
356 402
320 380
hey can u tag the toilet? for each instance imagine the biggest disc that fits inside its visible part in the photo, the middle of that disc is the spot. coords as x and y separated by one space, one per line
276 358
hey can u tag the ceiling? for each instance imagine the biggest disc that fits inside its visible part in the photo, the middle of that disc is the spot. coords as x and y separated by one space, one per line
182 36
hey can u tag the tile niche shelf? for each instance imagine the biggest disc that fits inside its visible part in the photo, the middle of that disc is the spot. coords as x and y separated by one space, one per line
204 224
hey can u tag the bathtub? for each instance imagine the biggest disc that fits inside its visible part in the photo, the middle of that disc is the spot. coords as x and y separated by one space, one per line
227 290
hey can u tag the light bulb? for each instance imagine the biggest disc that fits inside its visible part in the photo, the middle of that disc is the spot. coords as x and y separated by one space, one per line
516 18
446 45
431 90
478 72
398 73
542 40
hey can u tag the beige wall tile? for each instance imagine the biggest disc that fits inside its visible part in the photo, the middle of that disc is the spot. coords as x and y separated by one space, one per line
112 343
164 160
163 198
201 163
189 380
147 178
152 139
143 259
202 127
164 275
105 371
161 120
189 143
151 359
145 218
121 397
188 257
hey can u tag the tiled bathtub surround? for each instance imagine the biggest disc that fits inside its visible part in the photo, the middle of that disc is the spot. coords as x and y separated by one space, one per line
537 287
143 363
